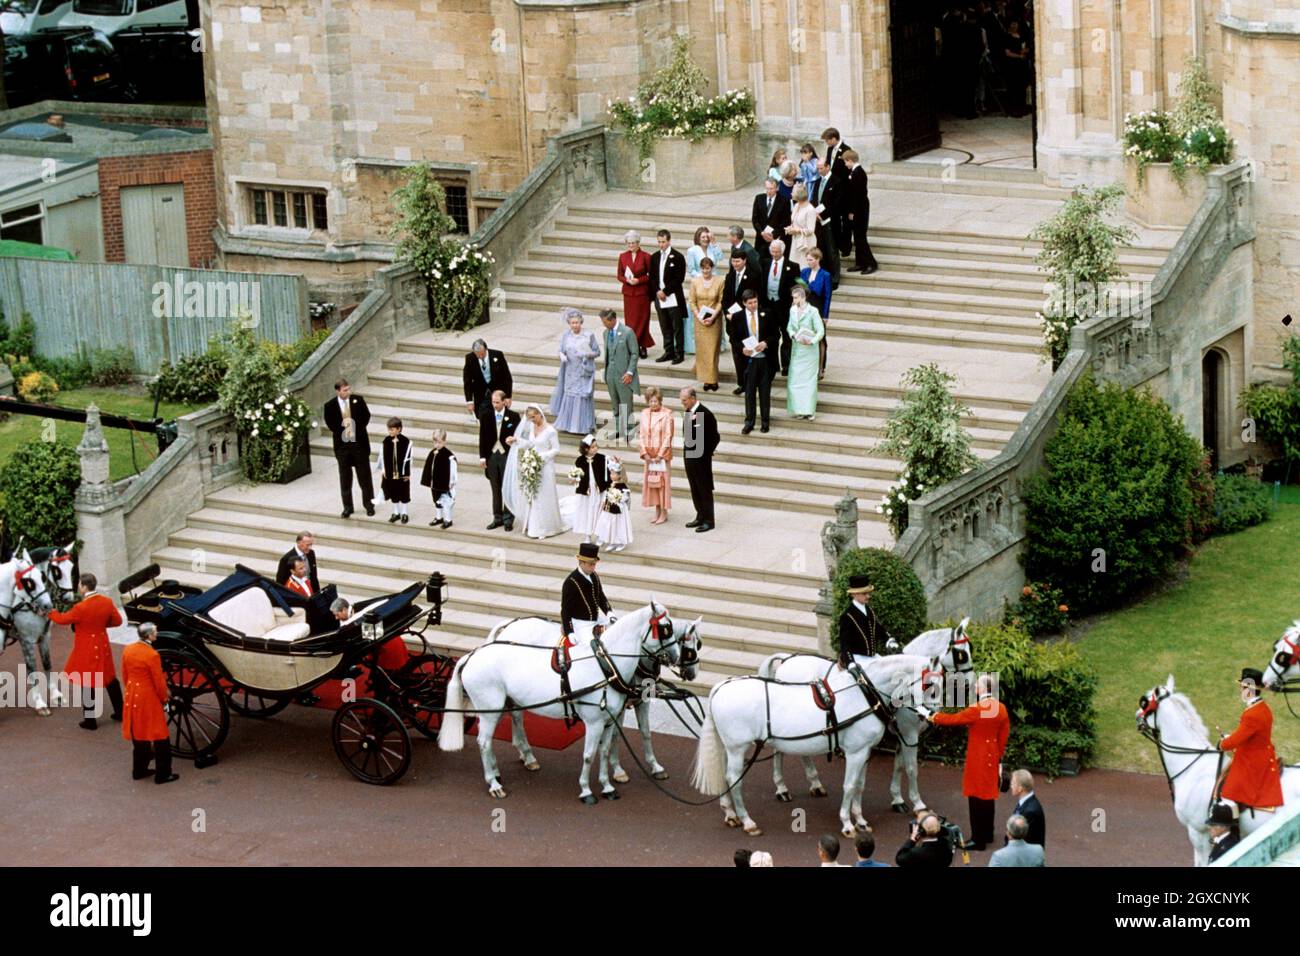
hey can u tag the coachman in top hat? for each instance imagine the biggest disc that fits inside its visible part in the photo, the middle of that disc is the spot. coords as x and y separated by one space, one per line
1255 778
860 633
582 599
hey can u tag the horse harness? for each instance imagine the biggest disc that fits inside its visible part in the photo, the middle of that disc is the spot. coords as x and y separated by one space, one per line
1282 662
824 698
1148 706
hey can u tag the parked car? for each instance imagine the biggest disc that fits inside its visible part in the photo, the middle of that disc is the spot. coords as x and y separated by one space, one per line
77 64
110 16
21 17
161 63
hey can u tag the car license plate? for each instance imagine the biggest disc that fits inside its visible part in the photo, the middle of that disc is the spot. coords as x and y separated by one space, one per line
101 78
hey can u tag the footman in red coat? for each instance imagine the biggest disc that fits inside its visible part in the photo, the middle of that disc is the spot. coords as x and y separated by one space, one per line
988 728
144 720
1255 777
91 662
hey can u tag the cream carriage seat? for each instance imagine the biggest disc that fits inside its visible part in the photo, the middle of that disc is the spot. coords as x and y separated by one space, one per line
251 613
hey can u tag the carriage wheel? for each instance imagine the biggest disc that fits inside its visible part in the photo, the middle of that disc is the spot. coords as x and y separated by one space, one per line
199 714
249 703
372 741
423 682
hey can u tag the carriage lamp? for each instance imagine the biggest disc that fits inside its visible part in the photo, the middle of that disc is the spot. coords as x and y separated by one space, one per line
371 628
436 592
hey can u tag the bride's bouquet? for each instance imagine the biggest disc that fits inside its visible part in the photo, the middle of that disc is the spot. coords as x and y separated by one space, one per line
530 473
575 474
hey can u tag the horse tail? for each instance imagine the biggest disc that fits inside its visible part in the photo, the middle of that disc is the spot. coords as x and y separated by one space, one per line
768 668
451 735
710 773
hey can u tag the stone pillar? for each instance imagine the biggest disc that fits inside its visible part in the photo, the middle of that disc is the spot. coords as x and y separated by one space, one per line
838 537
101 521
823 609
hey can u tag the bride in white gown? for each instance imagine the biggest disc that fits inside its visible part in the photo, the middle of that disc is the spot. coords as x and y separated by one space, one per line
541 517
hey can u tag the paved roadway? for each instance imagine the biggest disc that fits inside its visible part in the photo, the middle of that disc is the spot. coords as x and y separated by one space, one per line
279 796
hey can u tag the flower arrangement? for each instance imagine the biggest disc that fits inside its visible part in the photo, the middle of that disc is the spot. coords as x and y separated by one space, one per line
613 500
271 423
1040 610
457 276
575 474
893 504
530 473
1191 137
672 104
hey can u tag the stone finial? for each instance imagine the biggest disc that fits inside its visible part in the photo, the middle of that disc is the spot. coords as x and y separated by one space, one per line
93 451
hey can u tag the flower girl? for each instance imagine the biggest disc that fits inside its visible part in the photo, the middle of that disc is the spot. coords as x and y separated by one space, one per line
614 525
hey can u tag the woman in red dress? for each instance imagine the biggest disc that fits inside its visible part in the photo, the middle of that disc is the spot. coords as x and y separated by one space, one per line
634 276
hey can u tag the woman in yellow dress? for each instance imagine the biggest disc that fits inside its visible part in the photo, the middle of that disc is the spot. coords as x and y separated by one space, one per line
705 299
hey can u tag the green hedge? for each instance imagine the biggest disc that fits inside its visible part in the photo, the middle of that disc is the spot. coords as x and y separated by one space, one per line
1048 690
899 598
1239 502
196 378
1117 476
38 484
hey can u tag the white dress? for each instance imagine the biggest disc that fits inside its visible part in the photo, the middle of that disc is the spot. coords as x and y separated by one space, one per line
541 518
615 530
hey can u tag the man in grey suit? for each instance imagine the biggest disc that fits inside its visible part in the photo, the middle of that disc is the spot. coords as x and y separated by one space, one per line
1017 852
620 371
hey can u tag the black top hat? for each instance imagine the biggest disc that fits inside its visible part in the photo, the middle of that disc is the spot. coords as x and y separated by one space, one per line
171 590
1253 675
859 583
589 552
1221 815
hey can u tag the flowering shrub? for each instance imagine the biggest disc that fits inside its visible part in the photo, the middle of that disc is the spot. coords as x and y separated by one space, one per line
672 104
271 424
1149 137
1040 610
530 473
893 504
37 387
457 277
1191 137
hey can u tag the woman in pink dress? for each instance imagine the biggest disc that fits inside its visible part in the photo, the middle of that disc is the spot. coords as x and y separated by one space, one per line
655 437
634 276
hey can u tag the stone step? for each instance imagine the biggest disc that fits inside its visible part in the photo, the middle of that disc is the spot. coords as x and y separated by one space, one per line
228 504
735 482
916 327
924 168
967 186
429 395
557 260
868 382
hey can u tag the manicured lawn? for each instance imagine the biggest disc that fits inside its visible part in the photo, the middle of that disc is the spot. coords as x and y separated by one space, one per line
1243 590
132 401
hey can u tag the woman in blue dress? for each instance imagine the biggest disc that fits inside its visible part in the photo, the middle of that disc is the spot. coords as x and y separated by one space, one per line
818 281
704 247
573 403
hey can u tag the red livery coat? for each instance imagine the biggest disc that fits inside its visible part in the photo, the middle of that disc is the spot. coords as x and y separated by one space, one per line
1255 777
90 619
989 726
143 717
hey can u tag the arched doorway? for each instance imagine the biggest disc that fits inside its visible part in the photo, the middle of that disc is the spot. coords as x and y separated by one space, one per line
1213 375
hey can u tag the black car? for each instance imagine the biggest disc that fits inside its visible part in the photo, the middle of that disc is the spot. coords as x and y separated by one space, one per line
74 64
163 64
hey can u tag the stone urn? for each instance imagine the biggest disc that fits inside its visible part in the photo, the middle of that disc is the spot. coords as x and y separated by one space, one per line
679 167
1159 200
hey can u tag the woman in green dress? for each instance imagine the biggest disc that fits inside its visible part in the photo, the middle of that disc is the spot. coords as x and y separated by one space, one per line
806 331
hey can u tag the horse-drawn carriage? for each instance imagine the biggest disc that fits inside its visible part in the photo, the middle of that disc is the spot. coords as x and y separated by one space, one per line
251 646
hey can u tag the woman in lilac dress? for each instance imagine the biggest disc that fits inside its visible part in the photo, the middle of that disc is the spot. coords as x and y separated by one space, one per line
573 403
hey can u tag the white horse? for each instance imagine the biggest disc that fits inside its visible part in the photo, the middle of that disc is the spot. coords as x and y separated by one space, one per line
24 602
1192 763
517 676
950 650
1283 672
756 710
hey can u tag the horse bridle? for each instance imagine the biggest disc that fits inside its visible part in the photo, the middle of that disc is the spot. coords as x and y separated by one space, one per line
1282 662
663 636
1147 706
59 595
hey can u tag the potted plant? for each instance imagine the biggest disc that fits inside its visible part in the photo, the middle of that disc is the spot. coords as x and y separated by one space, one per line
272 426
1160 148
457 277
670 139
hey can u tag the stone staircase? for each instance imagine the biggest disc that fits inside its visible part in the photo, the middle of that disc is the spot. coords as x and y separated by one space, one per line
948 292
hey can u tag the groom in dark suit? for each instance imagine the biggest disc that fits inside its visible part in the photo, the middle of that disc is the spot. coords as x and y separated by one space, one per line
699 441
347 416
494 426
667 272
